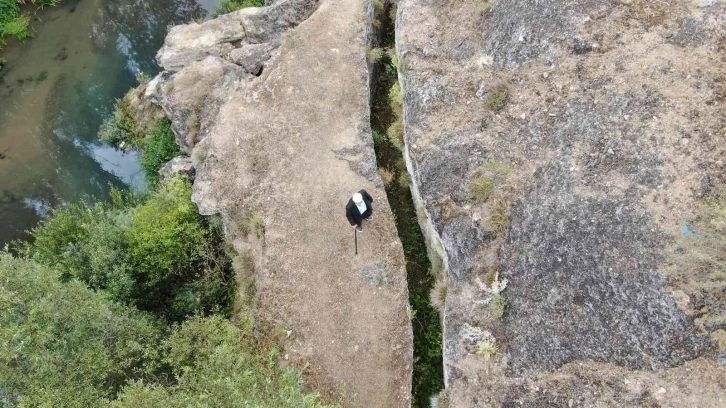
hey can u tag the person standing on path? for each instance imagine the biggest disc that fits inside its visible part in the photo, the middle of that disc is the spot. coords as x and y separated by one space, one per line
359 208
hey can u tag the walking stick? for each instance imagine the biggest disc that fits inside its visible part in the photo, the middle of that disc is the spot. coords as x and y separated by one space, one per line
355 234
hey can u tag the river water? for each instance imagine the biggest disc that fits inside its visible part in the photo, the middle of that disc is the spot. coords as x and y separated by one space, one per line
55 91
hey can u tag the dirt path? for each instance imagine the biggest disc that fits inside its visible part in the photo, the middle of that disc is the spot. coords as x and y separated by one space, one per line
293 147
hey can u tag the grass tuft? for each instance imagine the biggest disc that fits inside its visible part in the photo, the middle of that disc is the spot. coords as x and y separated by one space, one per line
254 225
481 188
495 173
395 134
19 27
395 98
374 54
498 98
498 304
387 176
437 296
499 218
487 348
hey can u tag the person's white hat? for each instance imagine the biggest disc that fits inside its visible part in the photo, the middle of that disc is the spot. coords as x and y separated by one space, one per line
357 198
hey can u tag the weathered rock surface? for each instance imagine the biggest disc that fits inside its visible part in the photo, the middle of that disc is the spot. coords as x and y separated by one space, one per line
593 124
181 166
272 105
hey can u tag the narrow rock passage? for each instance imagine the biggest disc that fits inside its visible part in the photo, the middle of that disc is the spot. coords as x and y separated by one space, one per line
385 113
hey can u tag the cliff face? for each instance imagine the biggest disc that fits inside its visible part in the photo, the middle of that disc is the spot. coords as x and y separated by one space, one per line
272 106
562 155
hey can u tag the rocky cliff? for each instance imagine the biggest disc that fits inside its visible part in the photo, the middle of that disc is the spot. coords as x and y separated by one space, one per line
567 158
272 106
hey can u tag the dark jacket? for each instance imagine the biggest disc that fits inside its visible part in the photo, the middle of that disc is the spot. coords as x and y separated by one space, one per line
351 211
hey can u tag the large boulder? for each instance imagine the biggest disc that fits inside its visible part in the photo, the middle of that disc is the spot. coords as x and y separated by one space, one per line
280 139
567 163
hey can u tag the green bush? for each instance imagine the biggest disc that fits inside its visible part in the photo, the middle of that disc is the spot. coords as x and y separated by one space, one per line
165 234
19 27
159 147
228 6
62 344
220 365
157 252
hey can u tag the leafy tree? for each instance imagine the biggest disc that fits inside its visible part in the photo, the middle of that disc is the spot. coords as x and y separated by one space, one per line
62 344
219 365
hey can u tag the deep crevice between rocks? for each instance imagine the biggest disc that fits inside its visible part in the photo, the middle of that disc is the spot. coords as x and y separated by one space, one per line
428 377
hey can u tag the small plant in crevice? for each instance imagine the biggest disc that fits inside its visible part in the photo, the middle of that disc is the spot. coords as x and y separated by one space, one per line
378 138
395 98
387 176
403 180
497 305
490 290
395 134
393 56
168 86
292 37
379 5
484 6
374 54
437 296
393 11
490 277
487 347
142 78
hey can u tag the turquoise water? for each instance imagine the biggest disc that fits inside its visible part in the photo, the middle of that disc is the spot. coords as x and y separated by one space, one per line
57 88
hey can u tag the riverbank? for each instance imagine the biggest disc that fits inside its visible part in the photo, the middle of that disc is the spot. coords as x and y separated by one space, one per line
56 90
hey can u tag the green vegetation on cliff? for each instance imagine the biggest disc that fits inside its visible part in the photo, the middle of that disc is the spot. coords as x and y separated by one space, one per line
228 6
155 252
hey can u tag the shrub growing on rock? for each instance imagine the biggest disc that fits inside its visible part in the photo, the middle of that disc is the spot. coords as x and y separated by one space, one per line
159 148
